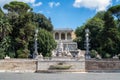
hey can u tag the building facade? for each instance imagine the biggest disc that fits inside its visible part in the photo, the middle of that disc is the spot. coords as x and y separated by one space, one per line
64 38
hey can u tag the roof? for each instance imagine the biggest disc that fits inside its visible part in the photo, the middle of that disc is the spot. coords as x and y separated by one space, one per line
63 29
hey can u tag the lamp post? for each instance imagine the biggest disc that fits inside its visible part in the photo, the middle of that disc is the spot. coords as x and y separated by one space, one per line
35 45
87 53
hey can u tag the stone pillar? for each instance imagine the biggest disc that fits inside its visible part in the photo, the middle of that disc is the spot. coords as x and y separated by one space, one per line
59 35
54 35
66 36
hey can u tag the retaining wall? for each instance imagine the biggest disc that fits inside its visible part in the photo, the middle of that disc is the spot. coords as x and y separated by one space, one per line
17 65
26 65
76 66
102 65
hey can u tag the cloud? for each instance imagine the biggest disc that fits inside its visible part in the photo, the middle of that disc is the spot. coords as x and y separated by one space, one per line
98 5
54 4
37 4
57 4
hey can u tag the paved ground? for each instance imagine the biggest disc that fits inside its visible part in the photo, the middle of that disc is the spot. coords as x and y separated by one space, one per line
59 76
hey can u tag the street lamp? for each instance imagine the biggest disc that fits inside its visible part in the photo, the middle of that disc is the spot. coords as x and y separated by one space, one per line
87 40
35 44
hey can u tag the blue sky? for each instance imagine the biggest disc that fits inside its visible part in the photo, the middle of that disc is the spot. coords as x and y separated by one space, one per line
68 13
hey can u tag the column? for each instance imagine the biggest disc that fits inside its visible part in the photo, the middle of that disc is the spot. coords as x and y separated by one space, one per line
59 35
66 36
54 35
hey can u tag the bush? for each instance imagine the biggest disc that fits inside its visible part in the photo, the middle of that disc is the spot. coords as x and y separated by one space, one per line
93 53
11 54
23 53
107 55
60 66
2 53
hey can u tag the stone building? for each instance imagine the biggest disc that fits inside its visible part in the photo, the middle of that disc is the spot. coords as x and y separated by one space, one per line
64 38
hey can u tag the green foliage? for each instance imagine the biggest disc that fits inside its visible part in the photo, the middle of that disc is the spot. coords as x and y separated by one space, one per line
104 35
115 10
100 15
107 55
5 27
110 41
1 13
17 29
18 7
93 53
95 25
42 22
46 43
2 53
6 45
11 54
60 66
80 37
23 53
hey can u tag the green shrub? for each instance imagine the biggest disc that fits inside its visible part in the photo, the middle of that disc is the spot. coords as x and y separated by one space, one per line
11 54
107 55
2 53
93 53
23 53
60 67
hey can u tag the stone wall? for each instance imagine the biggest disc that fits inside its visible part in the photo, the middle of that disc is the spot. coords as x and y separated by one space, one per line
76 66
81 65
102 65
17 65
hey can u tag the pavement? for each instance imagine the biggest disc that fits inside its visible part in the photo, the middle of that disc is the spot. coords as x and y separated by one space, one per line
59 76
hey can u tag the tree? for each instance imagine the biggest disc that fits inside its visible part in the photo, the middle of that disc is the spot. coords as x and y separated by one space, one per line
95 25
1 13
100 15
5 31
23 23
80 37
23 28
109 43
5 27
42 22
17 7
46 43
6 45
104 35
115 10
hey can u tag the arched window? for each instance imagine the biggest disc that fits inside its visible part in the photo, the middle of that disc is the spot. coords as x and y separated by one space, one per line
57 36
68 36
62 36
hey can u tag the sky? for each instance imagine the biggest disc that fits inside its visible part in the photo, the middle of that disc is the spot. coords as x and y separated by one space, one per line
67 13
